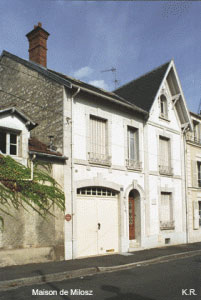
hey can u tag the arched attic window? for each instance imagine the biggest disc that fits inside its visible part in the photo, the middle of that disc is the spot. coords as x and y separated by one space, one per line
163 107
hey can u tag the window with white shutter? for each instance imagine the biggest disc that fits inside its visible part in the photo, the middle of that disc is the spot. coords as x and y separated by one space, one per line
98 141
166 211
164 156
133 148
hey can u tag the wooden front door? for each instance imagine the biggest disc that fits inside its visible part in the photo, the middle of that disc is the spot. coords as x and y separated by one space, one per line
131 203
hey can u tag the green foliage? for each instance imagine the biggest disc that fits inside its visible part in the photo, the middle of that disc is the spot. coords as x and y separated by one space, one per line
17 190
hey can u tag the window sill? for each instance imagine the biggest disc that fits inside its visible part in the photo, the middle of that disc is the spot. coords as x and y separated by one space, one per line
164 118
98 162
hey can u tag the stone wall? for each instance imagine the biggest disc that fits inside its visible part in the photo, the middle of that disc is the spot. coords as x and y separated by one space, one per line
39 97
26 230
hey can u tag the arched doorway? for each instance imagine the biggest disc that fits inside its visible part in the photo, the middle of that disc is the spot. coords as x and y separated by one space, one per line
134 215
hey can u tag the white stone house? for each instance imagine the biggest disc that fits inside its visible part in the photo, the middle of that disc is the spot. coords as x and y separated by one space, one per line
128 166
159 93
124 180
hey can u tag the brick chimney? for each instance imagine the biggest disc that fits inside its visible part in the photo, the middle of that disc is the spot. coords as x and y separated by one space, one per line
38 45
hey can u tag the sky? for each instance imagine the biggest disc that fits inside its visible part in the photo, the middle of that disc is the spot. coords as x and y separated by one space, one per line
88 37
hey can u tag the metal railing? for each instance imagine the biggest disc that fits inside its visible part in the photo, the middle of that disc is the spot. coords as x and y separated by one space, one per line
165 170
191 137
100 159
133 164
168 225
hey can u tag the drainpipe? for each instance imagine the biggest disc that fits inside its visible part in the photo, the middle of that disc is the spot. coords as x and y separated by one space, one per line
32 168
72 167
185 180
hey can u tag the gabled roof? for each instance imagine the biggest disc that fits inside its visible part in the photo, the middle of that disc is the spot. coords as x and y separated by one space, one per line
14 111
142 91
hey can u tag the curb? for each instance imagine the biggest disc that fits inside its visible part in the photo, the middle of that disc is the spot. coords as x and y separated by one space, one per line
150 261
9 284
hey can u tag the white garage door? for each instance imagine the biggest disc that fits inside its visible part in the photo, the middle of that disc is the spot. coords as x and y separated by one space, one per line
97 221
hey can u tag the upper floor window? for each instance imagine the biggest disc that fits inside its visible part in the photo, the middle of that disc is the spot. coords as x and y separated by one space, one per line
166 211
163 107
9 142
165 167
199 173
98 141
197 132
133 148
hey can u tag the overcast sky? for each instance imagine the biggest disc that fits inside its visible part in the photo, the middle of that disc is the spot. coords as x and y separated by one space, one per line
87 37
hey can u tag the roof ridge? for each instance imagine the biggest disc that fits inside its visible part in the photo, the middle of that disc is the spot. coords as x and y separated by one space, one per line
143 75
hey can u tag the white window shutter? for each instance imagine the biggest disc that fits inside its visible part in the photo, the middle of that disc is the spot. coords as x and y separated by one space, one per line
195 215
194 173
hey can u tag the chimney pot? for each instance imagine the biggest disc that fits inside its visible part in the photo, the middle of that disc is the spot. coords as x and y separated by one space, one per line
38 45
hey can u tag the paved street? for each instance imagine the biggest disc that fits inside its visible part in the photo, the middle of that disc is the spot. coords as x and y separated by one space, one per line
158 281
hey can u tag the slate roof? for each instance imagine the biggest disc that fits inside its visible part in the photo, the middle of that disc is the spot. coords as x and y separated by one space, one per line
100 91
142 91
69 81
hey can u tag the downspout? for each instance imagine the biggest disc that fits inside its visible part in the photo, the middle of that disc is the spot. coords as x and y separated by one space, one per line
185 180
72 167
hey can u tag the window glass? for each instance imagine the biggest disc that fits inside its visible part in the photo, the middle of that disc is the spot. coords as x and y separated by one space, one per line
199 173
163 106
200 213
3 142
133 151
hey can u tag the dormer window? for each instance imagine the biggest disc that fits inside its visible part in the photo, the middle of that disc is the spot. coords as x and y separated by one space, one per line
163 107
8 142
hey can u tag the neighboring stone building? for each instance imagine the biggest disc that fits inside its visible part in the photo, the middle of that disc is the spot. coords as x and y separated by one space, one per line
27 237
193 174
124 180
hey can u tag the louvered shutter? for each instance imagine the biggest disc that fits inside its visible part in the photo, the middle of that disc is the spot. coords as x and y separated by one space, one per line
195 215
194 174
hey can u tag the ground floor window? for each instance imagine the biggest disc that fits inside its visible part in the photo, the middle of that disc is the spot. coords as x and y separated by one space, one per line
96 191
166 211
199 213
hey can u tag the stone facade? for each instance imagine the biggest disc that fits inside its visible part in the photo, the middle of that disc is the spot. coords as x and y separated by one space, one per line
27 237
193 162
39 97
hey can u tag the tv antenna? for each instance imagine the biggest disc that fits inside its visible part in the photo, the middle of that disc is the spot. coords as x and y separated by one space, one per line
114 71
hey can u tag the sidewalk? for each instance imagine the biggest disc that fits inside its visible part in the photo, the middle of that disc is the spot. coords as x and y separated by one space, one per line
52 271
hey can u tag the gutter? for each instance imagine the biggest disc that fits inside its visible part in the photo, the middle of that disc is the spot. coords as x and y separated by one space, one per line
48 155
128 105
